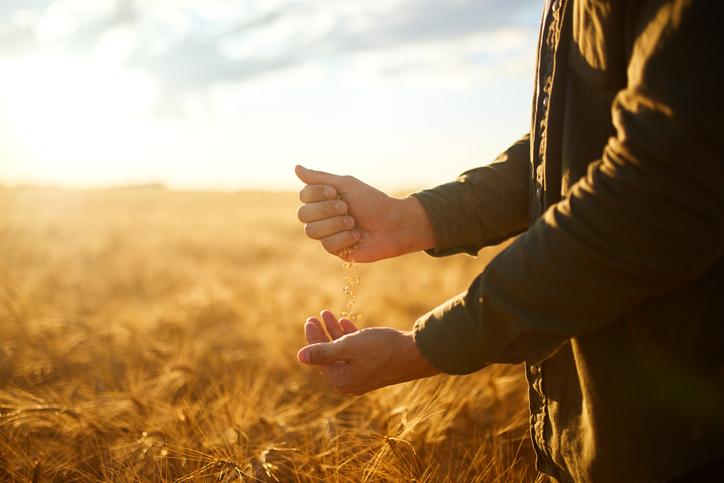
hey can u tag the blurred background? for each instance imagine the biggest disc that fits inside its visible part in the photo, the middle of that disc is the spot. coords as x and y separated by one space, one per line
150 334
227 95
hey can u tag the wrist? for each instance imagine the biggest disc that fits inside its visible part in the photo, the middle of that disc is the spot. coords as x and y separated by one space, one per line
417 366
414 229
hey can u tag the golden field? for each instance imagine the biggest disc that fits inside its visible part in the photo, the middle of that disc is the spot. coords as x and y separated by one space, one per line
149 335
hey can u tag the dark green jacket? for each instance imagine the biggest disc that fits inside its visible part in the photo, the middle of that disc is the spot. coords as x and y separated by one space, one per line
613 295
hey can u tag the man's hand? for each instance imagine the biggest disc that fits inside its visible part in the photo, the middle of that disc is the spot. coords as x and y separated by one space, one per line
341 211
358 361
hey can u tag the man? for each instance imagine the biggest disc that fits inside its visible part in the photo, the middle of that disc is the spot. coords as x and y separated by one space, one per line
612 296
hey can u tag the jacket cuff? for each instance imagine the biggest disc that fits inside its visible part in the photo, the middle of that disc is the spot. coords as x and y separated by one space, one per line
448 342
443 221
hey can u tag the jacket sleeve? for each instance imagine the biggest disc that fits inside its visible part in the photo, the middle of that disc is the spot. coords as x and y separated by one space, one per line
484 206
646 219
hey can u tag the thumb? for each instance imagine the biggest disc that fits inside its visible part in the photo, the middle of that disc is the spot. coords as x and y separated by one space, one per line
321 354
310 176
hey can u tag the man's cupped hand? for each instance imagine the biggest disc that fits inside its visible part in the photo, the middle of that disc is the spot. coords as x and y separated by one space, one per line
356 361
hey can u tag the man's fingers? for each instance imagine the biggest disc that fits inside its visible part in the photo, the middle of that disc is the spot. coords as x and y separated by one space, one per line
324 228
313 331
320 329
335 243
333 327
317 192
310 176
321 210
320 354
347 326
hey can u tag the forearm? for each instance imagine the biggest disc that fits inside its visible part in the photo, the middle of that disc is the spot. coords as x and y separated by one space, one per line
589 261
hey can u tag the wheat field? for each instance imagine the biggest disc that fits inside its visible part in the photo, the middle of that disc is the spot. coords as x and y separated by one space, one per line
151 335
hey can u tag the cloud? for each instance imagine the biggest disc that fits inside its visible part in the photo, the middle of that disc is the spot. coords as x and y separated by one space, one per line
10 8
17 35
16 40
86 37
192 47
199 60
59 23
430 20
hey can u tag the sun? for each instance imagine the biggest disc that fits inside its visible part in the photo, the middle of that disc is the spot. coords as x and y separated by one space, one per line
72 118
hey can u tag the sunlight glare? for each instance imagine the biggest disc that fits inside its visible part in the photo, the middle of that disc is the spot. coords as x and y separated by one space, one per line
70 118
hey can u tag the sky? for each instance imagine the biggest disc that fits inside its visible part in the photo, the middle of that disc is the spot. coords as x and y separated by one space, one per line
221 94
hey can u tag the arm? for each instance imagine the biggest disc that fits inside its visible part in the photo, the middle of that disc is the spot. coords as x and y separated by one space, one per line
647 218
492 200
357 361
